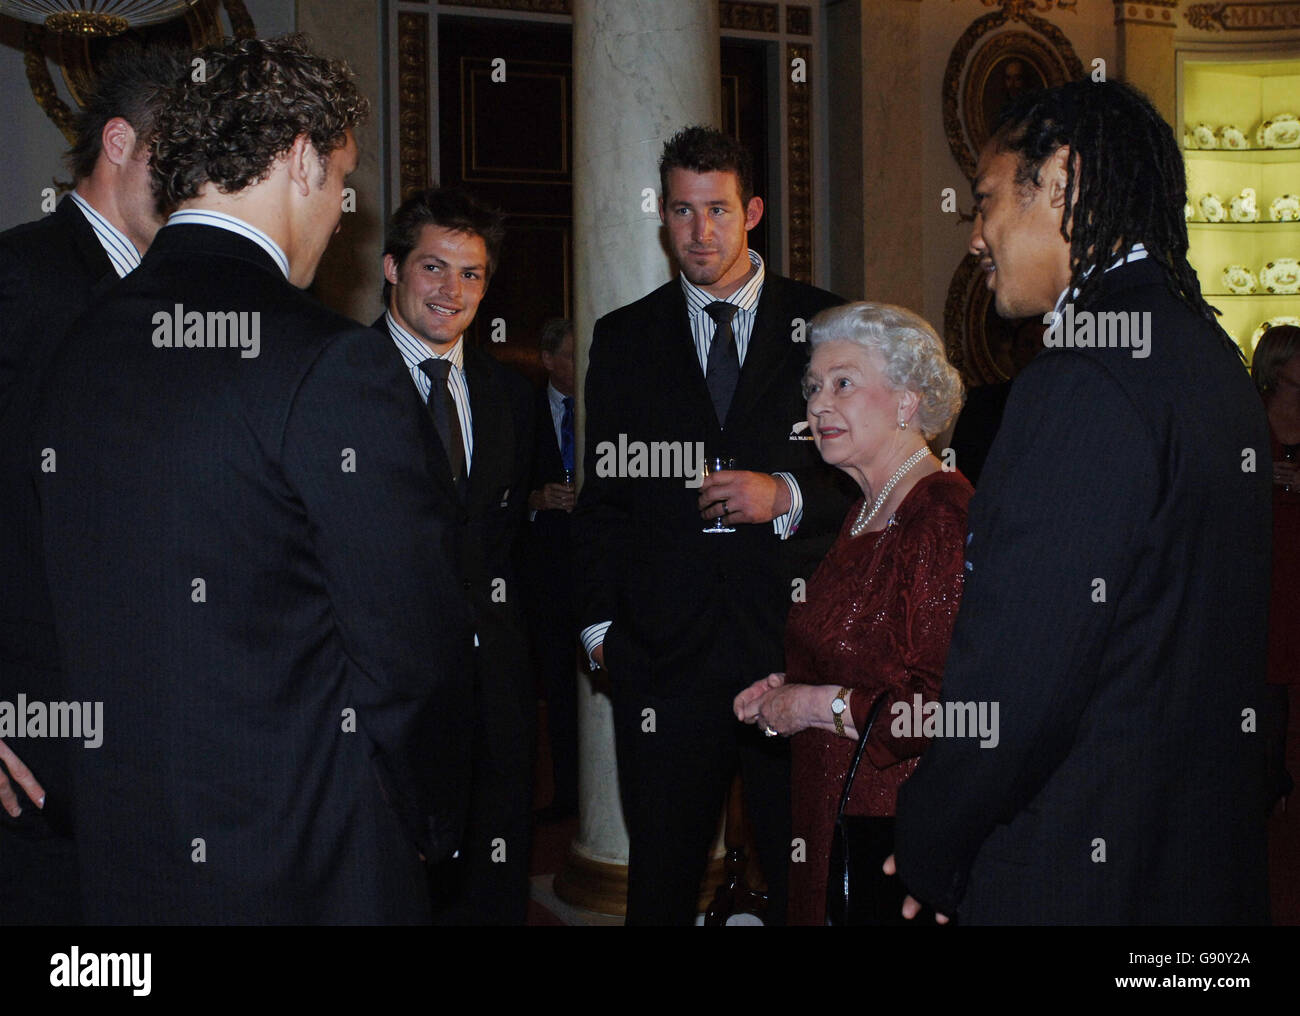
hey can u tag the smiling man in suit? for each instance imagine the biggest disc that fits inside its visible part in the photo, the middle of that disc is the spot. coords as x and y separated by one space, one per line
50 270
1117 577
441 248
683 620
245 558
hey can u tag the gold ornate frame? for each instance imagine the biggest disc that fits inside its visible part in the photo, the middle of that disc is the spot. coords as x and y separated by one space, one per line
980 357
1041 44
75 56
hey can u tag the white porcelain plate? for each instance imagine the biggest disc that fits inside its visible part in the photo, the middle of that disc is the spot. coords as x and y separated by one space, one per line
1285 208
1271 323
1239 280
1280 276
1283 131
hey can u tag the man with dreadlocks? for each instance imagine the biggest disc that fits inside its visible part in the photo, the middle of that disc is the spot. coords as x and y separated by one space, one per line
1117 577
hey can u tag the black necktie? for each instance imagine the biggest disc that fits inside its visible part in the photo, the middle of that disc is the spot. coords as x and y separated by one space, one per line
442 408
724 362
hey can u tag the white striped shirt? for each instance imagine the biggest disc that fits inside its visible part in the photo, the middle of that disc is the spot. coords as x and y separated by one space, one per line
414 352
742 324
121 252
208 217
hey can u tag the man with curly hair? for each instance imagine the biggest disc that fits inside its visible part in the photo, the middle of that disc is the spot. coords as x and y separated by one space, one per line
246 561
49 271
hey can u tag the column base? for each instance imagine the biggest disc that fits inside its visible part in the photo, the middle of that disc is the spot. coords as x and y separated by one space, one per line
601 886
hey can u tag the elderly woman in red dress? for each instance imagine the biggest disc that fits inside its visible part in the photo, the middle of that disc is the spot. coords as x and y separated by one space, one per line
880 608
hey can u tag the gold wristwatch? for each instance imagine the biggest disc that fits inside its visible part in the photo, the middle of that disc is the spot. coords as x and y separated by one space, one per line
838 705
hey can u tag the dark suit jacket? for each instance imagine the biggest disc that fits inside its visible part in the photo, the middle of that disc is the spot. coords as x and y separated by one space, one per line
244 559
49 271
1126 786
488 517
674 594
546 543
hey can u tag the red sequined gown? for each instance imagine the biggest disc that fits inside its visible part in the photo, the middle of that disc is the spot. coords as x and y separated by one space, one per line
878 615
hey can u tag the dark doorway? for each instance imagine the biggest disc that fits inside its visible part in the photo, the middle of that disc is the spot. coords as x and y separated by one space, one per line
505 134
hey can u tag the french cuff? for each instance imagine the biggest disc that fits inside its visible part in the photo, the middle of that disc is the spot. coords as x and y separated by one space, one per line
785 525
592 636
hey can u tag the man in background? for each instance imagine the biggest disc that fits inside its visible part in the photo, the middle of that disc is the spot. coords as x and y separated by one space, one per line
50 271
546 553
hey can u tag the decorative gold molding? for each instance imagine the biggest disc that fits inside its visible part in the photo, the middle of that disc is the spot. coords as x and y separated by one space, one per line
979 357
798 20
1146 12
412 102
1277 15
965 139
749 16
1017 10
74 57
531 6
799 179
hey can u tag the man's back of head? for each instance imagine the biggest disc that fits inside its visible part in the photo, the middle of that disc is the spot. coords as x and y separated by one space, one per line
110 155
263 131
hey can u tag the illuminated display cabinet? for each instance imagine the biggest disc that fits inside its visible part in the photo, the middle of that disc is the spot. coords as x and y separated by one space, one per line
1255 94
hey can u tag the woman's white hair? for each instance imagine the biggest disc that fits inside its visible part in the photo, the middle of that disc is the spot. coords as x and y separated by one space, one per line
913 355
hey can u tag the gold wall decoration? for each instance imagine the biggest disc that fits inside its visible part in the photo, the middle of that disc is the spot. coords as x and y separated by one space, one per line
749 17
412 102
1019 8
1146 12
798 20
1005 64
76 56
1244 17
800 177
985 348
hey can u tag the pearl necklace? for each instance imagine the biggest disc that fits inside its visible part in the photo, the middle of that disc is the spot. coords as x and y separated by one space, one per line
864 518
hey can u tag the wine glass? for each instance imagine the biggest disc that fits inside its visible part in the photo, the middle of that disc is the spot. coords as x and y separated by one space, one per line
717 464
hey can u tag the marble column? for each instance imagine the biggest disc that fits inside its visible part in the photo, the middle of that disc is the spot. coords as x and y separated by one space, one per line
642 70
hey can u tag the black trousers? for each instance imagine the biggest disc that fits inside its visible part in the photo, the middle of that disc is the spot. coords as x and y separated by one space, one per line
677 757
488 885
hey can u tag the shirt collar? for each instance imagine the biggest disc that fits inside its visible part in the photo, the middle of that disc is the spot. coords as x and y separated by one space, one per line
556 397
122 253
746 297
208 217
415 352
1138 253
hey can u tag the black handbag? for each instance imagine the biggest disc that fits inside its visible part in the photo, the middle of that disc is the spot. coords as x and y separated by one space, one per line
858 892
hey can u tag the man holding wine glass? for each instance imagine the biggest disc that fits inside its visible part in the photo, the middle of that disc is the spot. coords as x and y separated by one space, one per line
682 619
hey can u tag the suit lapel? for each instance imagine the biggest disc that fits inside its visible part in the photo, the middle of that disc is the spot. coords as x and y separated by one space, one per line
494 432
439 464
769 346
94 261
681 359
